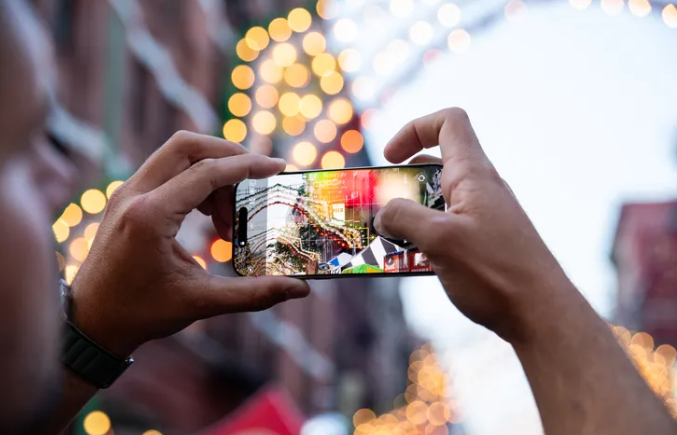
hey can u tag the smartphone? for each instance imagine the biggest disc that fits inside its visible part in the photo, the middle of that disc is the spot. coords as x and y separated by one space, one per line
319 224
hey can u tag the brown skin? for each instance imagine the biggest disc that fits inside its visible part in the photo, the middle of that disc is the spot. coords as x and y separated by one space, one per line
139 284
496 269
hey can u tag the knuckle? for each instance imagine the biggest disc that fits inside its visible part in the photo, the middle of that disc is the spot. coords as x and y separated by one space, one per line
135 215
181 136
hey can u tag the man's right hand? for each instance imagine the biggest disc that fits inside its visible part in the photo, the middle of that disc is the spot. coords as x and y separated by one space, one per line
491 261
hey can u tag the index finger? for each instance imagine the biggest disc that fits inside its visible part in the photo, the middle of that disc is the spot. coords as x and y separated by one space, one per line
448 128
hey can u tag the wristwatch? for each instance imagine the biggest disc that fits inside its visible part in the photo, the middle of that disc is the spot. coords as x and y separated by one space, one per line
82 355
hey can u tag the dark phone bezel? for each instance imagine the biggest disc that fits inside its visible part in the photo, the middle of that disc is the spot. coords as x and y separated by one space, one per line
340 275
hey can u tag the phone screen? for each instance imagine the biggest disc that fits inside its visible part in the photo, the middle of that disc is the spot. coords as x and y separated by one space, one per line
321 222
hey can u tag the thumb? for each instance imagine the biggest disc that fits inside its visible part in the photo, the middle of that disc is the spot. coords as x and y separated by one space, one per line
223 295
404 219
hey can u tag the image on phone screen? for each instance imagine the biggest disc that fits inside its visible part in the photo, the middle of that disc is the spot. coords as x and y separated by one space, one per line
321 222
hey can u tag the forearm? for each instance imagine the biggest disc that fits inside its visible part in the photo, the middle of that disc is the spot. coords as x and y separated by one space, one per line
76 394
581 378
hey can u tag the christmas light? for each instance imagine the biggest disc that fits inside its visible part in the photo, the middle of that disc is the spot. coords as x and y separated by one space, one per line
257 38
264 122
93 201
239 104
304 153
311 106
639 8
96 423
670 16
297 75
112 187
266 96
61 230
235 130
340 111
333 160
325 131
279 30
289 104
294 125
299 20
243 77
332 83
270 71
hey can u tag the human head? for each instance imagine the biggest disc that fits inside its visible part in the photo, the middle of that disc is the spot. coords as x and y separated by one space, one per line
33 180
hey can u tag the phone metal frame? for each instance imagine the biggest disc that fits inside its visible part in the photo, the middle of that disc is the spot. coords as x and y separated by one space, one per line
339 275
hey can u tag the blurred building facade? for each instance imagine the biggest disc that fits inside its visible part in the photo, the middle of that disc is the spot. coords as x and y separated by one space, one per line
645 255
135 71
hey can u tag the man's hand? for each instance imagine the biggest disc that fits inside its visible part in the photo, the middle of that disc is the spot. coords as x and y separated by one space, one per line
138 283
484 249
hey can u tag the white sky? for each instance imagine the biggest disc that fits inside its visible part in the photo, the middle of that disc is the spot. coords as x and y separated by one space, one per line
578 110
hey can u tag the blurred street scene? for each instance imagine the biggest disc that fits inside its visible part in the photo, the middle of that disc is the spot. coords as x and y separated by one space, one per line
575 101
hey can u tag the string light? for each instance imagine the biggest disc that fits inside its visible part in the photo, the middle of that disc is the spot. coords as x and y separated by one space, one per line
70 272
352 141
245 52
293 125
323 64
304 153
449 15
314 43
222 251
350 60
639 8
61 230
310 106
112 187
332 83
152 432
299 20
239 104
266 96
93 201
279 30
333 160
297 75
340 111
243 77
257 38
613 7
325 131
79 248
264 122
270 70
284 54
670 16
421 33
459 41
346 30
90 231
580 4
235 130
289 104
96 423
72 215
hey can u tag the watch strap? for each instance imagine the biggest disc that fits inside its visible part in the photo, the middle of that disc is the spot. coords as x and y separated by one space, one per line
90 361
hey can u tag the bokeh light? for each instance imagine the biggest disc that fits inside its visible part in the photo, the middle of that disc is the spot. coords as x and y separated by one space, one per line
401 8
222 251
421 33
279 30
297 75
311 106
257 38
304 153
93 201
239 104
333 160
79 248
670 16
299 20
340 111
350 60
289 104
72 215
324 9
515 10
613 7
243 77
61 230
245 52
235 130
112 187
323 64
90 231
363 88
70 272
417 412
314 43
284 54
290 168
449 15
294 125
325 131
363 416
439 414
352 141
639 8
200 261
264 122
267 96
459 41
346 30
580 4
270 71
152 432
332 83
96 423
